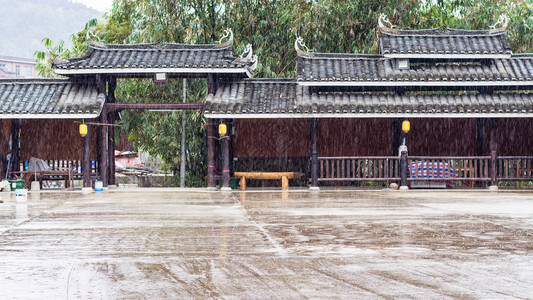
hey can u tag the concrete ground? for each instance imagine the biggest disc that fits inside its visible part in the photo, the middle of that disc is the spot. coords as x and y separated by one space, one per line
155 244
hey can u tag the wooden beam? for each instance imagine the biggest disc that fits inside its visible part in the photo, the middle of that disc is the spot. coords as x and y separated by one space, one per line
113 107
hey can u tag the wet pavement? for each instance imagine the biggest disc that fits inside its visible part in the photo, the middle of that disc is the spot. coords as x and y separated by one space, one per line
267 245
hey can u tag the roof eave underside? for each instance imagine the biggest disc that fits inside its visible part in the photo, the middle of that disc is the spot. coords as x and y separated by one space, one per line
149 72
366 115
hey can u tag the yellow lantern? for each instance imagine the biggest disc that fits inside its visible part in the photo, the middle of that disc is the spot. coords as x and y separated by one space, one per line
406 126
222 129
83 129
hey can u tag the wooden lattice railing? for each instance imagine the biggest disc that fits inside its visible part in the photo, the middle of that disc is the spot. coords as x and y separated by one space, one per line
459 168
358 168
514 168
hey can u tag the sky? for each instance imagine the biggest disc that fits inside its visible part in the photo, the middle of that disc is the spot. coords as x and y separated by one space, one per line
100 5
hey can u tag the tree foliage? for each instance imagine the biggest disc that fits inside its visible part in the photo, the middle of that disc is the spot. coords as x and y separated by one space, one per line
271 26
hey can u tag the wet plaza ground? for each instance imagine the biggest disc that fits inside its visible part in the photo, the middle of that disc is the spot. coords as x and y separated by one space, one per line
154 244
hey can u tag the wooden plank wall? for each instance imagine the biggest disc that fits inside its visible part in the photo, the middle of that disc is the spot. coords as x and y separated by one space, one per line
57 139
373 137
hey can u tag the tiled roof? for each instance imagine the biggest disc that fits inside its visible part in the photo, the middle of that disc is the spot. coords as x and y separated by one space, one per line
435 43
253 96
48 98
324 69
151 58
279 98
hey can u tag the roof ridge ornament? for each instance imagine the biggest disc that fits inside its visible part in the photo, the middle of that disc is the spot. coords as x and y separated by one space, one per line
228 33
90 35
382 20
503 21
247 56
248 51
254 62
300 43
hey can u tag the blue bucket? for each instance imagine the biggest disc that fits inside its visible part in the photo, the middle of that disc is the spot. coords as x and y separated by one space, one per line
98 186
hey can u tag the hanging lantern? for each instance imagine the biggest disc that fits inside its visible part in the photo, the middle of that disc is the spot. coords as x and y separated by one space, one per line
222 129
406 126
83 129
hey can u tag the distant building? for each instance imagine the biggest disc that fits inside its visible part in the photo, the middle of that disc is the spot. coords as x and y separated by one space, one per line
17 67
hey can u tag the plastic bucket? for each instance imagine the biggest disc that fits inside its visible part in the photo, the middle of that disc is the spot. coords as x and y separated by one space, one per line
98 186
21 195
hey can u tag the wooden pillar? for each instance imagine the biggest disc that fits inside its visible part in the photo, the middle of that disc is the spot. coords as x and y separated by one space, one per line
211 84
396 135
86 166
102 137
480 146
480 137
226 159
102 133
211 163
314 154
2 154
493 154
15 149
112 84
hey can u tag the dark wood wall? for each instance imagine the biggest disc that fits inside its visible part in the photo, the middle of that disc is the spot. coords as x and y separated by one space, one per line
354 137
374 137
442 137
515 136
54 139
271 138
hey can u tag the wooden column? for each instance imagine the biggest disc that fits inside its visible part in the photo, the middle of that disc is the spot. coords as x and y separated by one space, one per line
480 146
86 166
102 137
226 159
480 137
2 154
15 149
112 84
493 152
314 153
396 135
102 133
211 163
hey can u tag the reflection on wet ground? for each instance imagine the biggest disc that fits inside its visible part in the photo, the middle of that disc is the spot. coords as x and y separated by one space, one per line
175 245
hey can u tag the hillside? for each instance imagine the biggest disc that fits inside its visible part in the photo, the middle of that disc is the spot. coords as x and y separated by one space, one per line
26 22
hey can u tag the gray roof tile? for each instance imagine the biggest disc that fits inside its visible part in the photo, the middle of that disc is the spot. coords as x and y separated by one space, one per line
449 41
260 98
49 98
352 69
106 57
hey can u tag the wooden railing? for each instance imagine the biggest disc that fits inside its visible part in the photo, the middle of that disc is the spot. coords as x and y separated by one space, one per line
514 168
354 168
460 168
379 168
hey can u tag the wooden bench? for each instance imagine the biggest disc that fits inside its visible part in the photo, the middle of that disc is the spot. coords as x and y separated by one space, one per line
284 176
30 176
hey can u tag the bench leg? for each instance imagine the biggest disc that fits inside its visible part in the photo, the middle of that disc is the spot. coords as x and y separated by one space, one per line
243 183
284 183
